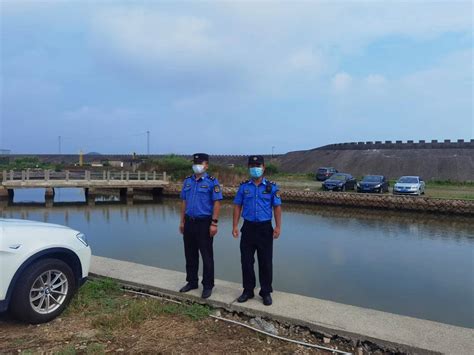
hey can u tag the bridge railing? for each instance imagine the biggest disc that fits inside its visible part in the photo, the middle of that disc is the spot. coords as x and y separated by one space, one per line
88 175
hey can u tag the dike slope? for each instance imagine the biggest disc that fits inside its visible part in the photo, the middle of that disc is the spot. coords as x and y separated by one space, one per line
440 164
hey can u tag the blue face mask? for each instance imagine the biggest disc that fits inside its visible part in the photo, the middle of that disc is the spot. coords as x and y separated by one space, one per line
198 168
256 172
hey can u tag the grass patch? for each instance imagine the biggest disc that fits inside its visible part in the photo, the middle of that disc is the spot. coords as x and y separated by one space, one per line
137 311
113 310
100 294
67 350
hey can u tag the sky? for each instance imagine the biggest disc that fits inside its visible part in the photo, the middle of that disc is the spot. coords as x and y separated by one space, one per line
232 77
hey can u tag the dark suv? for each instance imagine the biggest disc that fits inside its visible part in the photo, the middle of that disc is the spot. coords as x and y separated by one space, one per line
323 173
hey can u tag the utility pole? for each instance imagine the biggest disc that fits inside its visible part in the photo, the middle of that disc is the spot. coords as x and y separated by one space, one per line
273 149
148 143
59 144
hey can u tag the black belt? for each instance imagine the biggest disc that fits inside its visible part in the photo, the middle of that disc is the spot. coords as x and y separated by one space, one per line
197 219
258 223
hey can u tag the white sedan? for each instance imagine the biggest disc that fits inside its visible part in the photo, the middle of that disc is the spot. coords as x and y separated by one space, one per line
41 267
409 185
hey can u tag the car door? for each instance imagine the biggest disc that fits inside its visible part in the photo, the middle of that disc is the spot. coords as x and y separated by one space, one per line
422 185
350 183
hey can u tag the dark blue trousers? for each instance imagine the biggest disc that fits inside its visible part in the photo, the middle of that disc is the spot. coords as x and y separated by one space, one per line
257 237
197 239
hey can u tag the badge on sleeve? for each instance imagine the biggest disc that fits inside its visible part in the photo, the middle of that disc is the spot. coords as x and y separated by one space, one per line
277 194
217 189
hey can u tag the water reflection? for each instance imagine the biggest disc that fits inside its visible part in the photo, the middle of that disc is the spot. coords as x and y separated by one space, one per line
407 263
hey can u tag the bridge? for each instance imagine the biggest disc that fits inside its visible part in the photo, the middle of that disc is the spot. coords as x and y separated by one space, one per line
92 182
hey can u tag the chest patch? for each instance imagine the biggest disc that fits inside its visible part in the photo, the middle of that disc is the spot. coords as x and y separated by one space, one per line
203 186
246 192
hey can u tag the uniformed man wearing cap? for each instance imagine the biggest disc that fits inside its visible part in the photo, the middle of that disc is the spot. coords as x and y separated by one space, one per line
255 200
201 194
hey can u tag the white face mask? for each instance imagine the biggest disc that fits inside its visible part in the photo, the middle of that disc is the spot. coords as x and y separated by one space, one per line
198 168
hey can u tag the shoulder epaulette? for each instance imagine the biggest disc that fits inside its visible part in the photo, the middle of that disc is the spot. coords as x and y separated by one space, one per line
188 177
211 177
273 182
244 182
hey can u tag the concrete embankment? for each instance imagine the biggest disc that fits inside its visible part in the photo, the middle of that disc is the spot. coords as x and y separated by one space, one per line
384 202
390 331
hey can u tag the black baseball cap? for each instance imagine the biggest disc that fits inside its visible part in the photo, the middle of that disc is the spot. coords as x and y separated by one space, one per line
256 159
200 157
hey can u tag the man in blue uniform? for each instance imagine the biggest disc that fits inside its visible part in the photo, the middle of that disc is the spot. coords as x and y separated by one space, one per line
201 194
255 200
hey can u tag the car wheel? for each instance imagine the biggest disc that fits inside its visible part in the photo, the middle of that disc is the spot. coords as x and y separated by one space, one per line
343 188
43 290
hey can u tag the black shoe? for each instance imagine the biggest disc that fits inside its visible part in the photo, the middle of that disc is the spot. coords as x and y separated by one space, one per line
206 293
267 300
244 297
188 287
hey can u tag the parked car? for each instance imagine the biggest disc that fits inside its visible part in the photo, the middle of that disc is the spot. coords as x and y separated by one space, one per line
409 185
340 182
373 183
42 266
324 173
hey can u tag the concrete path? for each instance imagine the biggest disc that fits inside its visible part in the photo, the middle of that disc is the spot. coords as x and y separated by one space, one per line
391 330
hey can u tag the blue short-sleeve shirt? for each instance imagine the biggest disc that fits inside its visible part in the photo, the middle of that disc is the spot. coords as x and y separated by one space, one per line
257 201
200 195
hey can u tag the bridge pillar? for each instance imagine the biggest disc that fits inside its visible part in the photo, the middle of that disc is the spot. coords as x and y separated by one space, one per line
6 194
49 193
157 192
90 194
126 195
49 196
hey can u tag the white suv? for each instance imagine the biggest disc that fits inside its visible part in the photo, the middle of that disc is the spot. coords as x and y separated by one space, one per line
41 267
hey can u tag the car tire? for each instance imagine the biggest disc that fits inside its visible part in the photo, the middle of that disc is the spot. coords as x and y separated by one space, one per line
343 188
34 299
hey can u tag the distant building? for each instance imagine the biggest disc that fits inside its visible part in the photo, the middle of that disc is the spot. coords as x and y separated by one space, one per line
116 163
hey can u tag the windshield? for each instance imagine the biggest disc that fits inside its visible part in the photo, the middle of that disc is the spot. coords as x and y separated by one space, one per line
322 170
338 177
372 178
408 180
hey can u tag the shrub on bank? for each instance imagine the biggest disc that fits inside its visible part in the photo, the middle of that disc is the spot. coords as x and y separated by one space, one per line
27 163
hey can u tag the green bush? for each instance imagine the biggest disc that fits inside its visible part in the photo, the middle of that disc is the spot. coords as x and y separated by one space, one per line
25 163
271 169
175 166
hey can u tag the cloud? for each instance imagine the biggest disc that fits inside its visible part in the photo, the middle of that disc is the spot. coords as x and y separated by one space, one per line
375 80
152 36
420 105
98 116
341 82
306 60
232 65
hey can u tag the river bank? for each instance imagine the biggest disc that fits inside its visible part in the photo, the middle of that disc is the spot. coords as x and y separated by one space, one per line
352 199
354 325
105 318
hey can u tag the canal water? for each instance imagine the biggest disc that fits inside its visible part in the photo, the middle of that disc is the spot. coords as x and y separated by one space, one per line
405 263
